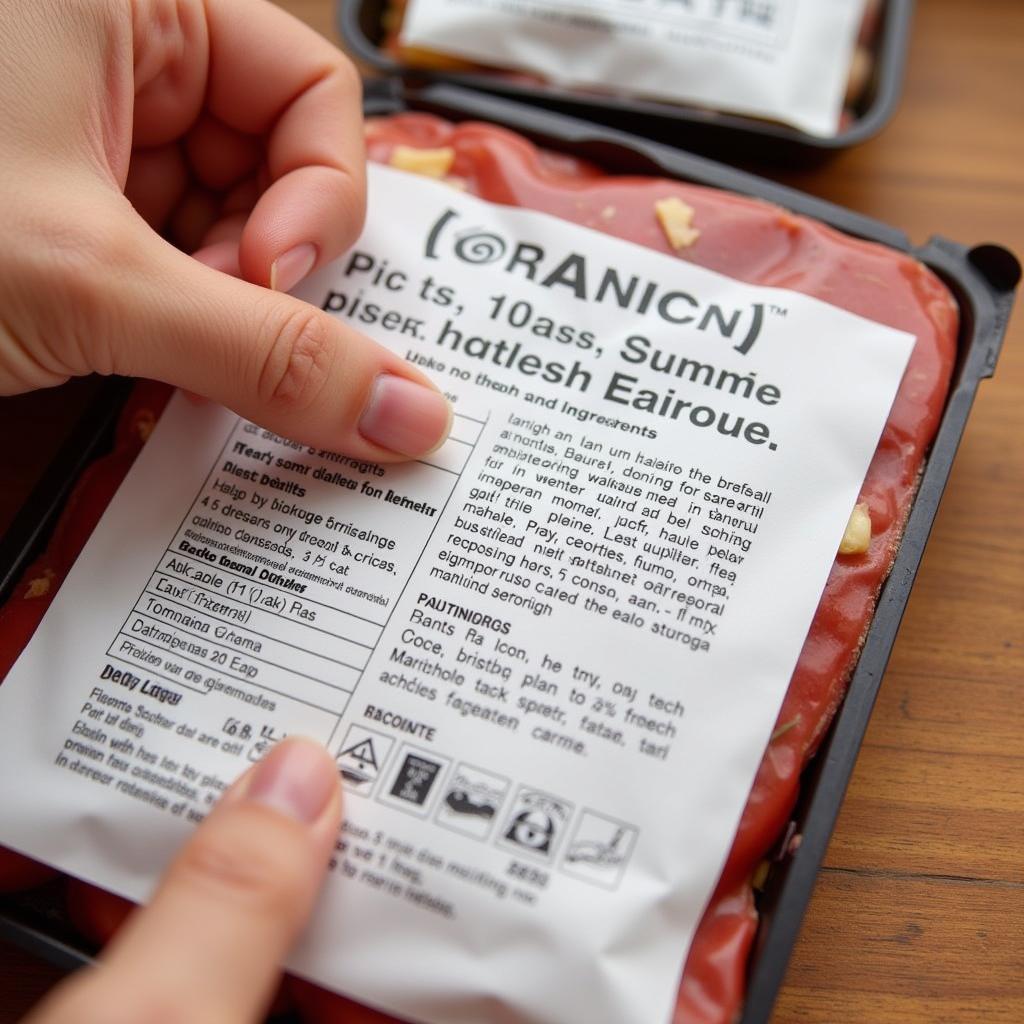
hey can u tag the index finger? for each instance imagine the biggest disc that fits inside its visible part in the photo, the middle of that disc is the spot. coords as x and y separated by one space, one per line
271 75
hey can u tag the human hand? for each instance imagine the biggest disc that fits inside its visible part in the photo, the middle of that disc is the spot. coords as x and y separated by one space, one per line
208 947
225 125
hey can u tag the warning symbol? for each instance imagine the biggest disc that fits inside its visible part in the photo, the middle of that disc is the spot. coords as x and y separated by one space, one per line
599 849
536 823
361 758
364 761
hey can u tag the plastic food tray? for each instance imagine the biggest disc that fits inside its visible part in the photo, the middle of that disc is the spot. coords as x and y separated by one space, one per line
983 280
729 135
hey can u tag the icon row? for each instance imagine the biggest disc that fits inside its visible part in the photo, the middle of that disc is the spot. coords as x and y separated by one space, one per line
471 801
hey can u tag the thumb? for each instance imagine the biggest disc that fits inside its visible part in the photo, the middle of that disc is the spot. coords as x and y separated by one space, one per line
271 358
209 945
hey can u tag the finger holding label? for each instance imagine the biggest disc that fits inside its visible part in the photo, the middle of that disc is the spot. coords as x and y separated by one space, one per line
208 947
276 79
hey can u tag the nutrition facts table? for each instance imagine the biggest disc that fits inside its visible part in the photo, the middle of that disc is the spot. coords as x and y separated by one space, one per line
280 580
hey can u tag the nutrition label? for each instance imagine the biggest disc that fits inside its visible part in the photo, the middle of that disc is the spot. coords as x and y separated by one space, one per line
538 656
266 593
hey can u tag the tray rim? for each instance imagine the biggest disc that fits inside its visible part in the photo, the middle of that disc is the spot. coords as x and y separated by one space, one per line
723 130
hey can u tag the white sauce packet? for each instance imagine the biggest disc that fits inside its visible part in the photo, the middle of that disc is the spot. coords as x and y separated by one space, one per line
785 60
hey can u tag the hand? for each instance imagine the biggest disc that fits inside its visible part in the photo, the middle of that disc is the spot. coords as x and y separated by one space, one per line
207 948
222 124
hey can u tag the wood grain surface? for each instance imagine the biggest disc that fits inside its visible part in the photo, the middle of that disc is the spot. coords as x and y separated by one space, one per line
919 911
918 915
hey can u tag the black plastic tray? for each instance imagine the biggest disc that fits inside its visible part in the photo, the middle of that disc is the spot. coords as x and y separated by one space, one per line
983 280
734 136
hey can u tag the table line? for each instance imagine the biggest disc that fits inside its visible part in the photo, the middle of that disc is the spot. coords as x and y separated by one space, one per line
264 636
472 419
408 578
224 672
440 469
206 693
264 583
268 611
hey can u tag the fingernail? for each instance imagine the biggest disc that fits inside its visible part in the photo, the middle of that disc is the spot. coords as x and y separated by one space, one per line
405 417
296 778
291 267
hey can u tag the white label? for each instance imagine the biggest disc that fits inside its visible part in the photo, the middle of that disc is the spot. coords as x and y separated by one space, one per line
787 60
547 658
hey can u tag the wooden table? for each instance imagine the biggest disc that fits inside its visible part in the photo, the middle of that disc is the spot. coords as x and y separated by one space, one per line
919 912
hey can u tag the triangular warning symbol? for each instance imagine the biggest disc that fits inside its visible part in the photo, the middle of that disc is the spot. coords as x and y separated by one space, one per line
363 753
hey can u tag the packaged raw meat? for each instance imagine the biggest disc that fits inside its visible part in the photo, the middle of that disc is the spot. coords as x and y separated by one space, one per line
750 241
